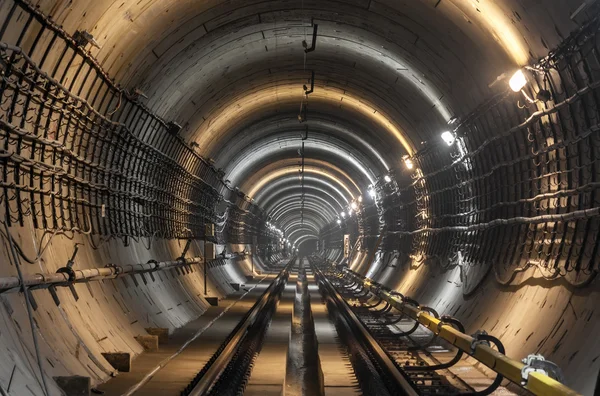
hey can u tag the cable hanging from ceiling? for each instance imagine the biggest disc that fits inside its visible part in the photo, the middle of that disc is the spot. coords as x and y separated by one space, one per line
303 115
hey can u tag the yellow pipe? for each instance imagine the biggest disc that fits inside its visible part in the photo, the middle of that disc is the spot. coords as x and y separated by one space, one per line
537 383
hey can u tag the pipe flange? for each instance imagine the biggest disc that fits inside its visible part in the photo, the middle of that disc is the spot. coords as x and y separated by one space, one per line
118 270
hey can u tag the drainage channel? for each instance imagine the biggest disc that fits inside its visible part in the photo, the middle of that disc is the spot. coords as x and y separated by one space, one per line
304 374
228 370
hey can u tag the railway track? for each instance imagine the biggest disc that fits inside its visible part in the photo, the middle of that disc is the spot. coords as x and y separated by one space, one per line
389 352
392 354
228 370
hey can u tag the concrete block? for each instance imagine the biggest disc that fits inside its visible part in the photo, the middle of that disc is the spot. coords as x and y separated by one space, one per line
214 301
149 342
161 332
236 286
74 385
119 360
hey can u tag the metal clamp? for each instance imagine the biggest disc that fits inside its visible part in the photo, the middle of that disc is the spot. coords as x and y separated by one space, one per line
70 273
538 364
409 301
479 338
71 278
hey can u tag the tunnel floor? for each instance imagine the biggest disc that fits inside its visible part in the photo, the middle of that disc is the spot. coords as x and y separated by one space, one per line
179 372
169 370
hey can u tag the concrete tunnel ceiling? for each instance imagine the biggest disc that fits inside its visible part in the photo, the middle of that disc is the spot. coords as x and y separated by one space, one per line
223 70
388 76
471 227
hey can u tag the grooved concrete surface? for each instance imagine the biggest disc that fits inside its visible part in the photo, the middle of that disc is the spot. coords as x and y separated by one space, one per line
180 371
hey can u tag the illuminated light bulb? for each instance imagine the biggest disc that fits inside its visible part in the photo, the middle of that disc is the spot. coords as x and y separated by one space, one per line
360 198
448 137
372 193
387 178
343 214
339 221
518 81
354 206
408 162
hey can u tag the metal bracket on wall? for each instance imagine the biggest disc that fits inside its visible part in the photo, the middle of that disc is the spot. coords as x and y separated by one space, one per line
71 277
314 40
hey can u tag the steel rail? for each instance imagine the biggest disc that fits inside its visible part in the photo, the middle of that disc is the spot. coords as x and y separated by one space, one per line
211 373
537 383
390 368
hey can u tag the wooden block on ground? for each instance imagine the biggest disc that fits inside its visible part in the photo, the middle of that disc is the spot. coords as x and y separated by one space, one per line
119 360
74 385
161 332
214 301
149 342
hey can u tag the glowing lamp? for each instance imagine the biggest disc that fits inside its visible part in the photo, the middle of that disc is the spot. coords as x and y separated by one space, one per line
448 137
518 81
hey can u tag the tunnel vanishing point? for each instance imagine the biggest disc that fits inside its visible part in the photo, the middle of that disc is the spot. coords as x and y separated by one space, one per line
301 197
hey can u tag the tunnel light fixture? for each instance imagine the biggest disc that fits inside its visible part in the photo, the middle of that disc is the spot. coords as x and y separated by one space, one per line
339 221
448 137
360 198
408 162
387 178
343 214
372 192
518 81
354 205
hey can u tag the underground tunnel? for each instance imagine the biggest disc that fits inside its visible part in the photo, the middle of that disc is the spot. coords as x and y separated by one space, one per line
301 197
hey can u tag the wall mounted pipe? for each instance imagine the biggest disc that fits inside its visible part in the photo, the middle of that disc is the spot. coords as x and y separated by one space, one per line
537 383
42 281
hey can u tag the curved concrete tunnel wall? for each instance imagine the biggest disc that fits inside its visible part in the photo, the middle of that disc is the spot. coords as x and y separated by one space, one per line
388 77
